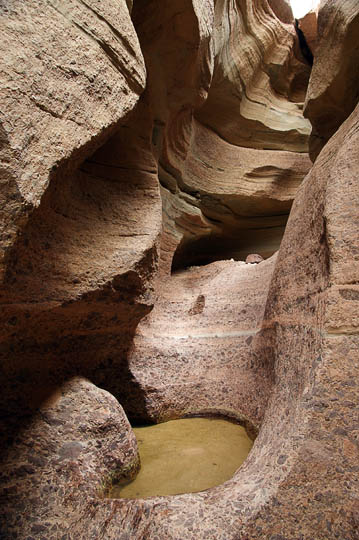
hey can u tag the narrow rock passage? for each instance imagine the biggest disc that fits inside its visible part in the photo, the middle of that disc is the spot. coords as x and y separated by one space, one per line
136 138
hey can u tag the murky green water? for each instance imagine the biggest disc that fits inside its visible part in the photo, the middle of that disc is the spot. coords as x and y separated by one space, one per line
186 456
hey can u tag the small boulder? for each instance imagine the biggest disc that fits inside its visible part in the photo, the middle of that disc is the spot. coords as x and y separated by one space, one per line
254 258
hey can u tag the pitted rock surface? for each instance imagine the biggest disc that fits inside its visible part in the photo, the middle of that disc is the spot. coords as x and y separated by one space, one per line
64 459
197 354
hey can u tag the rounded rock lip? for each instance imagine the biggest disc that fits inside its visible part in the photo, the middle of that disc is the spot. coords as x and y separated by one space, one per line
235 417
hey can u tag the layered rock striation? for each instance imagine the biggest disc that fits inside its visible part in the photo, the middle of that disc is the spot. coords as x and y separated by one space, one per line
223 106
300 479
82 208
198 354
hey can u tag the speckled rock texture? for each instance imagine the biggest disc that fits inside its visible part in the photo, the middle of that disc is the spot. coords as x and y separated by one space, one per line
301 478
67 78
82 207
333 87
117 168
76 444
197 354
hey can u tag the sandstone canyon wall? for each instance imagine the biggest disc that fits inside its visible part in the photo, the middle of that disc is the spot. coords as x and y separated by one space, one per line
145 151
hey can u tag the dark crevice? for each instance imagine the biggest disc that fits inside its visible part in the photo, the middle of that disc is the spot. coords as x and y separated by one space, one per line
304 47
211 248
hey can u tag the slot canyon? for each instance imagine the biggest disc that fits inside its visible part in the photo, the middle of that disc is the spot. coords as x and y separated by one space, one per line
179 237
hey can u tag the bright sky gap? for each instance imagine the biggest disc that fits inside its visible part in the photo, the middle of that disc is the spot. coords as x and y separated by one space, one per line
301 7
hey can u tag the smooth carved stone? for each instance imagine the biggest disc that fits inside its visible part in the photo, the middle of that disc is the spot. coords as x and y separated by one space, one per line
333 88
316 342
250 98
223 190
212 98
274 345
81 275
311 351
231 165
81 226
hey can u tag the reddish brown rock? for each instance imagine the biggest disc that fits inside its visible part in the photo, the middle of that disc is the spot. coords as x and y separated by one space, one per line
80 228
300 479
221 120
282 10
224 103
250 98
83 224
62 461
196 353
227 200
309 26
66 81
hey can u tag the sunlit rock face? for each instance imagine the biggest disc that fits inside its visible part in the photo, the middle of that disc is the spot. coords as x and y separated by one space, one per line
333 88
309 26
228 127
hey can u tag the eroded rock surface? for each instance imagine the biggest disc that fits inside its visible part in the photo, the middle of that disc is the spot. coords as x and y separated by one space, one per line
82 208
66 80
195 353
333 88
76 444
308 441
228 129
93 143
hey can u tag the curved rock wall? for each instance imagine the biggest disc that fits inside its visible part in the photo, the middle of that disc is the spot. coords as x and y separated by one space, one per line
197 353
300 479
67 79
78 442
333 88
219 105
208 145
82 208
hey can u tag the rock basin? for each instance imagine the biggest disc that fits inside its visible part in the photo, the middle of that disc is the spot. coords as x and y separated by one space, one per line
186 456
